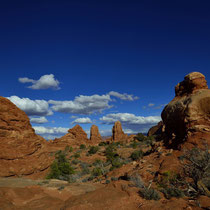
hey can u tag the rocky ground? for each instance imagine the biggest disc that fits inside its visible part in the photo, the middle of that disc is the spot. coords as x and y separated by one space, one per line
168 169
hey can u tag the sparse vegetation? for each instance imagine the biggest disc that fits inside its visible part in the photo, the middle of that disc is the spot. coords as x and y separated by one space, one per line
136 155
93 150
197 167
60 169
82 146
146 192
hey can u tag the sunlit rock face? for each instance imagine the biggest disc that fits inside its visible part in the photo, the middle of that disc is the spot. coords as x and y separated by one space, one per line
95 136
189 112
117 132
22 152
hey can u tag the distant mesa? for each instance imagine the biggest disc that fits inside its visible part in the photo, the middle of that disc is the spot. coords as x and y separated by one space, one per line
117 133
187 116
95 136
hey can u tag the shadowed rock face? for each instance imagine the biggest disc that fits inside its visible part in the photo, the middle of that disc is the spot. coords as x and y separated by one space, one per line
117 132
22 152
189 111
155 130
95 136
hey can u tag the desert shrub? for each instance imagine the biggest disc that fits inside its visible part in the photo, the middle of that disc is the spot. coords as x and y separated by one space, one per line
137 181
107 181
116 162
60 168
98 162
149 193
144 139
197 167
114 178
110 152
85 179
76 155
61 187
136 155
146 192
93 150
134 145
85 168
170 192
74 177
140 137
97 172
103 143
75 161
82 146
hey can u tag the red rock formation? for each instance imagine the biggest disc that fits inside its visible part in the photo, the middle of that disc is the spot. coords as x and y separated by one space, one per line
117 132
189 112
95 136
155 130
75 136
22 152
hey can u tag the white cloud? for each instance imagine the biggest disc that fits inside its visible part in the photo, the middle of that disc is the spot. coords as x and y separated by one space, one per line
45 82
83 120
39 120
50 132
132 122
31 107
82 104
123 96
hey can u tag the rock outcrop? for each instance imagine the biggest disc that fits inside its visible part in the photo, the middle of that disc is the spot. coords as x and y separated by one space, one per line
156 130
95 136
75 137
22 152
117 132
188 114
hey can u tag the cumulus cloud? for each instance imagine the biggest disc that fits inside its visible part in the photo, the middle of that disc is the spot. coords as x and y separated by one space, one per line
50 132
45 82
83 120
132 122
32 107
123 96
38 120
82 104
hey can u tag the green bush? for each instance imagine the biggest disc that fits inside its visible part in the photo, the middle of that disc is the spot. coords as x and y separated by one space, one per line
60 168
134 144
97 172
149 194
93 150
76 155
136 155
102 143
140 137
197 167
170 192
82 146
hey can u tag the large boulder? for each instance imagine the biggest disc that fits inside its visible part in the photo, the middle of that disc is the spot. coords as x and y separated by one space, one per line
189 112
117 133
22 152
95 136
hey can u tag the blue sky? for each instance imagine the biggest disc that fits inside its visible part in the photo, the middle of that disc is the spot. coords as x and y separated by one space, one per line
99 61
